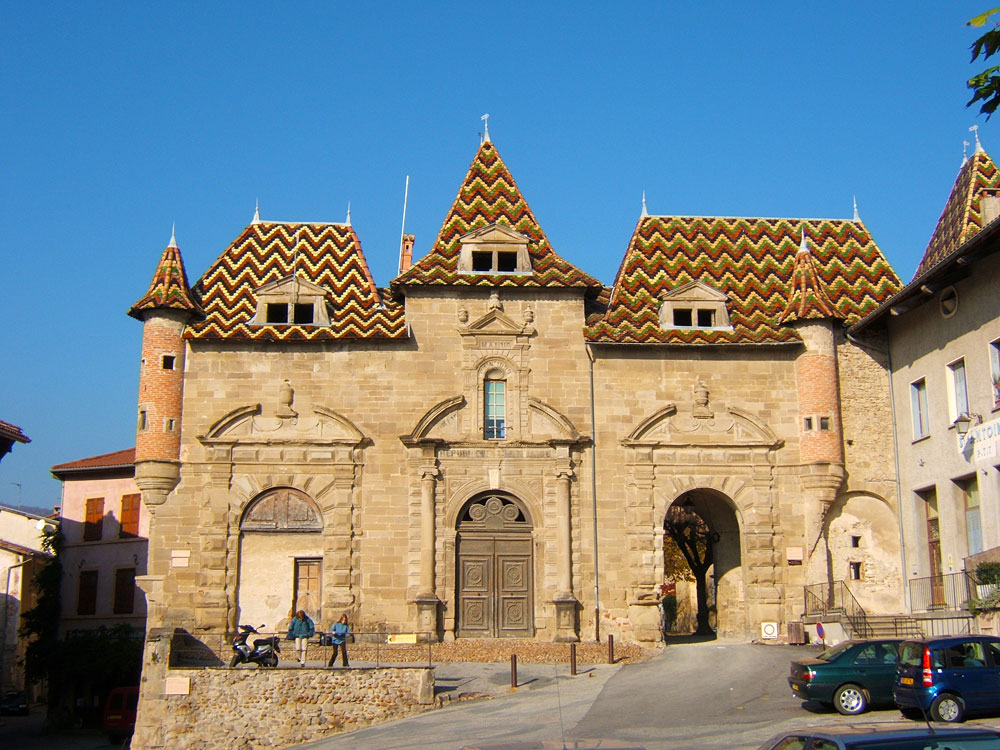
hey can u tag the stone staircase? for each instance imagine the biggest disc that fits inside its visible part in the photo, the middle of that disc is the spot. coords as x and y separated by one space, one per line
894 626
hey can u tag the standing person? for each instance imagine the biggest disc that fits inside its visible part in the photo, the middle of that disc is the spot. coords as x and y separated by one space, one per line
301 628
338 637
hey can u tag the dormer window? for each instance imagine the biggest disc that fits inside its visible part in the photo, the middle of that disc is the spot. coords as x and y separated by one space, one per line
291 300
494 249
694 305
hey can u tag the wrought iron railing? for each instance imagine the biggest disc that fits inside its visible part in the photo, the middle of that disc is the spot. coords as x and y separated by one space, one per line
834 599
944 592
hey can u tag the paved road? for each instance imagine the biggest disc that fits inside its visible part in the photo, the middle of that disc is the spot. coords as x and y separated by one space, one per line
698 696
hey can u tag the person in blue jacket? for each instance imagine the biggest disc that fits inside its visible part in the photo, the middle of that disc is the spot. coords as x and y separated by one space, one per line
338 637
301 629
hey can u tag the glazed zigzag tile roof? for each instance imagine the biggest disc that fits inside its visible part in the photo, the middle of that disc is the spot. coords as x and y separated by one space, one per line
961 218
808 300
169 288
489 195
326 254
750 260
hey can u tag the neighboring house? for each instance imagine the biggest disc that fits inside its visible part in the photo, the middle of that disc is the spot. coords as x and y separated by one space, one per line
105 528
20 558
489 447
10 434
944 343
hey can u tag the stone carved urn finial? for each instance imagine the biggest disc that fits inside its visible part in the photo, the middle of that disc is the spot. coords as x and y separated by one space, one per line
286 394
701 409
494 302
529 315
463 315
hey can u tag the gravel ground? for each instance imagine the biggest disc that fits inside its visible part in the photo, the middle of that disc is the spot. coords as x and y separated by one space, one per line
490 651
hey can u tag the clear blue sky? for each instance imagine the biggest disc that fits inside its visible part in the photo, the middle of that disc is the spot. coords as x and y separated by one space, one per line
121 118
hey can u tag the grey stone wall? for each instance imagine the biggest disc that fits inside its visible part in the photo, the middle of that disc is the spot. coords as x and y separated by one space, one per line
247 708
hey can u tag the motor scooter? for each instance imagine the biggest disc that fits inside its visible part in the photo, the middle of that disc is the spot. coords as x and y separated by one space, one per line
264 652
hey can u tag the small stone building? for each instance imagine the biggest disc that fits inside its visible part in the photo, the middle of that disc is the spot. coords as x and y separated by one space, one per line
488 446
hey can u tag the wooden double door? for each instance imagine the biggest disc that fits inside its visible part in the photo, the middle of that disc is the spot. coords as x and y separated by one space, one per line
494 585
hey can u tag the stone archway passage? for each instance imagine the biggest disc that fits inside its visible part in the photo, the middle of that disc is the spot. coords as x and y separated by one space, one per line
495 591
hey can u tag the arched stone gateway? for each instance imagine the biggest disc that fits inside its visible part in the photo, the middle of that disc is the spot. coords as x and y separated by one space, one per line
495 588
724 577
281 558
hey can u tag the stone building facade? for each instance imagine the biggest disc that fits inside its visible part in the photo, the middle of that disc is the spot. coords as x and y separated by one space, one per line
488 447
944 339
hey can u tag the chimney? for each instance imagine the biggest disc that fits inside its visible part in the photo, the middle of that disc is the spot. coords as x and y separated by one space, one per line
406 253
991 205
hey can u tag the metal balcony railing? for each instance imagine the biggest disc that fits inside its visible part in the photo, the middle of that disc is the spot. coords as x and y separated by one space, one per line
944 592
834 599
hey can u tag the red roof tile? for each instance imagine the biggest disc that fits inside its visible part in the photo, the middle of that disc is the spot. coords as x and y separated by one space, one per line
114 460
12 432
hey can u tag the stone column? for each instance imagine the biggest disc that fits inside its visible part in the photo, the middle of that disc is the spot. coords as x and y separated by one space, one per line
427 601
564 601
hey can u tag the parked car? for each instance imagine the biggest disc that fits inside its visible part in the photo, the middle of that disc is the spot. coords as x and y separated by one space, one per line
890 735
14 704
851 676
119 713
949 676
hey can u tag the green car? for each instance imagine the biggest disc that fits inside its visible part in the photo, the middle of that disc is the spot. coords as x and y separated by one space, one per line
851 676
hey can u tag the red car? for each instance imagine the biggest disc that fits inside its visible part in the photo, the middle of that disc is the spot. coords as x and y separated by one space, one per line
119 713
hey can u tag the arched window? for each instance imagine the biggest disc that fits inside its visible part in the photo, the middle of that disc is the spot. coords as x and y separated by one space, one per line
494 406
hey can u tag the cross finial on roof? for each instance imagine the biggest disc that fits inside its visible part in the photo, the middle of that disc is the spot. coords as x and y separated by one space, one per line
173 235
979 146
856 216
256 212
965 152
348 213
486 127
644 213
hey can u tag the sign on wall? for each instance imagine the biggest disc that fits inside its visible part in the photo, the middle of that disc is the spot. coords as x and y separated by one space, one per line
982 444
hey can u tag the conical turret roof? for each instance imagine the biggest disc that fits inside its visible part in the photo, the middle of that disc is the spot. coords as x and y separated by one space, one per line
962 215
169 289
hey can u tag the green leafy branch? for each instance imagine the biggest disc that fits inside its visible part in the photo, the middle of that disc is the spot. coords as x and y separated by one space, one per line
986 85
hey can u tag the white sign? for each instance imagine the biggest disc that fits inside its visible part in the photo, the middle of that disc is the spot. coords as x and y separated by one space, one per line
982 444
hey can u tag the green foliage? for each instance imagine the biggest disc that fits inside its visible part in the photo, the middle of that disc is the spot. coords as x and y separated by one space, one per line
988 573
988 604
986 85
40 625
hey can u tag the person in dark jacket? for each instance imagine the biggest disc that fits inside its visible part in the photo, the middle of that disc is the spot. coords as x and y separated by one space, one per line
338 637
301 629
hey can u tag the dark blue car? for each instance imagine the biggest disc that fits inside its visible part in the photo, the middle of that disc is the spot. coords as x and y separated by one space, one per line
949 677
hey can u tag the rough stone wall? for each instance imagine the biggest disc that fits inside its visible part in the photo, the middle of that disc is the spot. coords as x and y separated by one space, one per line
243 709
867 506
742 448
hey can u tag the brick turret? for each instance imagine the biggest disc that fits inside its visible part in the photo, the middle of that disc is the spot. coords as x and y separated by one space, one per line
164 311
813 312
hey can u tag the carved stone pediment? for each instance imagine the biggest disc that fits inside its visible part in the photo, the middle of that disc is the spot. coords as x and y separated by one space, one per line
496 323
733 427
247 425
290 285
693 291
443 423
